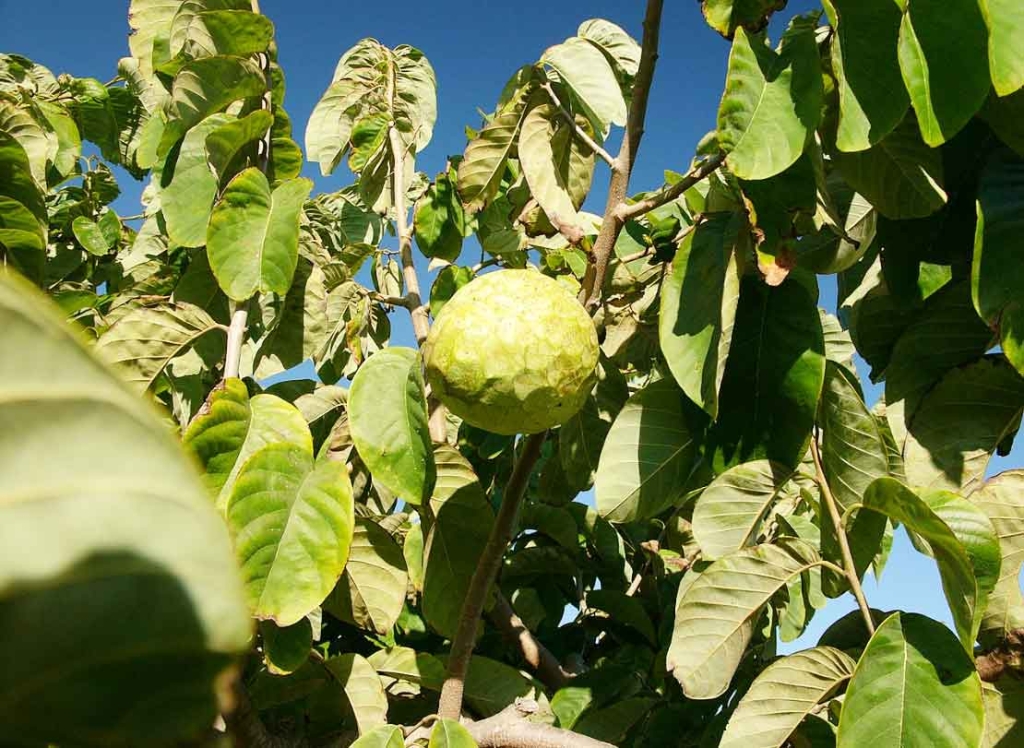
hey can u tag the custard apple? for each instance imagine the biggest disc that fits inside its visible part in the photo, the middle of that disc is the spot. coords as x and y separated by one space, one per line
512 352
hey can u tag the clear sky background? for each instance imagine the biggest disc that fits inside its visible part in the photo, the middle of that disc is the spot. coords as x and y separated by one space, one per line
474 48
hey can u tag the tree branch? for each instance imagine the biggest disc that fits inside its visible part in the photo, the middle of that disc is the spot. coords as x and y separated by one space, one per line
580 132
630 211
486 570
844 544
1006 656
611 227
510 729
236 338
538 657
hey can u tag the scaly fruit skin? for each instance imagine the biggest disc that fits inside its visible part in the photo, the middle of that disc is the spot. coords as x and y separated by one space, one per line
512 352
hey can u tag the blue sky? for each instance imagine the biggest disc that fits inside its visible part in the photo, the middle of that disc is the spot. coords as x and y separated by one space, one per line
474 47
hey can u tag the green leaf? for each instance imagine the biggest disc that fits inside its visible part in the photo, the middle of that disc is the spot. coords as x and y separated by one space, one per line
231 427
1002 500
1004 117
439 220
914 687
143 342
188 200
557 168
208 85
772 101
1004 712
611 724
19 123
447 282
382 736
225 143
90 236
388 418
448 733
301 323
726 16
716 614
900 175
363 689
292 524
618 46
1005 44
942 54
872 97
961 422
622 610
483 164
581 438
23 219
371 592
455 540
104 519
998 275
253 236
699 297
150 21
287 649
330 124
649 454
964 592
774 375
234 30
783 694
729 512
582 67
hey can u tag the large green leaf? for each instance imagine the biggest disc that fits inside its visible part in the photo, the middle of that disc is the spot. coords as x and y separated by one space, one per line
330 124
729 512
900 175
582 437
292 522
557 168
439 220
483 164
620 48
208 85
231 427
23 217
18 121
204 30
943 57
363 689
582 67
253 237
961 423
774 375
783 694
649 454
143 342
716 614
914 687
230 139
965 592
371 592
772 101
1002 500
187 201
301 322
448 733
872 97
150 22
1004 712
287 649
1005 44
388 418
120 595
455 540
382 736
998 273
699 297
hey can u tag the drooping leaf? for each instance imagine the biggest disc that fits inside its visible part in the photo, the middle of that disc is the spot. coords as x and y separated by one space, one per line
23 219
557 168
230 139
699 297
388 418
330 125
1002 500
439 220
900 175
1005 44
447 282
716 614
729 512
914 687
943 57
872 97
292 522
961 423
253 237
187 201
363 689
371 591
649 454
620 48
483 164
772 101
773 377
783 694
208 85
591 79
231 427
455 541
105 520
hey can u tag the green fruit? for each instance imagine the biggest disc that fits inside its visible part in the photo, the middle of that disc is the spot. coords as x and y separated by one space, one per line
512 352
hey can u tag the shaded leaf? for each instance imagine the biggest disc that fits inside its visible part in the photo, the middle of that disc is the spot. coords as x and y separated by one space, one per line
363 689
1002 500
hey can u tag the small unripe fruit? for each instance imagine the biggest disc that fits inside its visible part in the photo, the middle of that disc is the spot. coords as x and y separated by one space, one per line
512 352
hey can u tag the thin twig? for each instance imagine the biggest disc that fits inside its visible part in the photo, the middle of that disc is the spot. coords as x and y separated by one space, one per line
630 211
486 570
579 131
844 544
538 657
